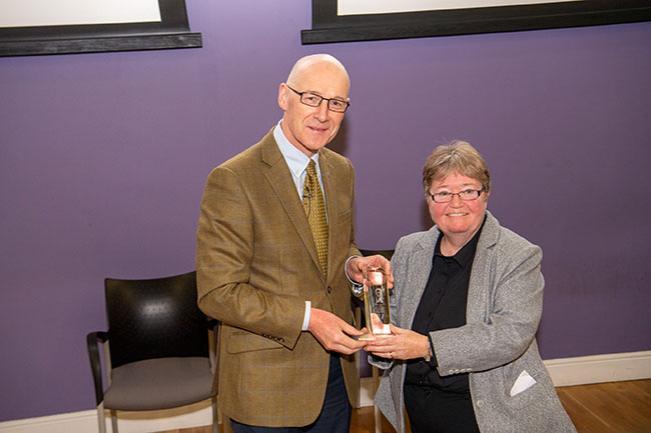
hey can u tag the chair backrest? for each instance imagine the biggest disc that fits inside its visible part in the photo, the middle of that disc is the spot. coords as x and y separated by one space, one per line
155 318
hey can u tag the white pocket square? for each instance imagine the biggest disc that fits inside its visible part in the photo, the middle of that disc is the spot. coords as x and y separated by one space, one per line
522 383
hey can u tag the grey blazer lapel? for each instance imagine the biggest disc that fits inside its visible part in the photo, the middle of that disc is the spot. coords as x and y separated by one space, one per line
479 287
280 180
420 265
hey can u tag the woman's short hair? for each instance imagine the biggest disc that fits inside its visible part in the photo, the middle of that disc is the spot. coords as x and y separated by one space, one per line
456 157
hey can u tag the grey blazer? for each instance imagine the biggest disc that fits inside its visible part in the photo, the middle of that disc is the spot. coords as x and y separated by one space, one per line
497 343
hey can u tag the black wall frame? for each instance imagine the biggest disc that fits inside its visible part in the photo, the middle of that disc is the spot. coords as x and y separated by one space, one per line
173 31
328 27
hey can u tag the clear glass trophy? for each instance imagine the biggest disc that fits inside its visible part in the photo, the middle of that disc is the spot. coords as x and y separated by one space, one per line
376 304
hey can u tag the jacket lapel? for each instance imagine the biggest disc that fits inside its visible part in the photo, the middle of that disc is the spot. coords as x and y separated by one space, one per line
329 178
420 261
479 287
280 180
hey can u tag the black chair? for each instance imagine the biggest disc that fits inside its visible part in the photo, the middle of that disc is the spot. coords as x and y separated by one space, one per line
385 253
375 374
157 349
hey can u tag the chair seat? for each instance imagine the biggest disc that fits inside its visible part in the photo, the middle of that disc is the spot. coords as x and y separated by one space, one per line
160 383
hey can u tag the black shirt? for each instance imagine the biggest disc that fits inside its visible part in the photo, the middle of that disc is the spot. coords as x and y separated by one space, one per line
443 306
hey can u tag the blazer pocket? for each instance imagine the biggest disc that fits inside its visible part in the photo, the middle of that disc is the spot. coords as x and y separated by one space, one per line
533 394
345 213
247 342
344 217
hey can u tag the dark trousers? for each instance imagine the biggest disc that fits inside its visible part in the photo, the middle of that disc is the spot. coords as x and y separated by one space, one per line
335 414
434 411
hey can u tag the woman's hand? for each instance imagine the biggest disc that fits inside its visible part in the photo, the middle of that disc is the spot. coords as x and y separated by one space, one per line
401 344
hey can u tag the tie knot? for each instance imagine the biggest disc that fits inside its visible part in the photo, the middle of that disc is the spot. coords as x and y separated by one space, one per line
311 168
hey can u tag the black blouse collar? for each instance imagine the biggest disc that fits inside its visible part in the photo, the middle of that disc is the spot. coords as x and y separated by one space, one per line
466 254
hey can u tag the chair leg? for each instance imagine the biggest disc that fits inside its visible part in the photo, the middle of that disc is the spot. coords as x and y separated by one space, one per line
114 421
215 415
101 419
377 419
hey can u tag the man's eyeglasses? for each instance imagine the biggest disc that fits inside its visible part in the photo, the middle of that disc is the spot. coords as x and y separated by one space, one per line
314 100
446 196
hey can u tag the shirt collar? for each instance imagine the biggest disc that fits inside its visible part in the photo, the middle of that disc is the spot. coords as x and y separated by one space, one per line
296 160
466 254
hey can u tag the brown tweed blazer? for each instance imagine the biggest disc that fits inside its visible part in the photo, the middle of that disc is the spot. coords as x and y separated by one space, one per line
256 266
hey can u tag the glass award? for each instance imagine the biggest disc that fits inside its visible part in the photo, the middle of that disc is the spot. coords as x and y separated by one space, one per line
376 304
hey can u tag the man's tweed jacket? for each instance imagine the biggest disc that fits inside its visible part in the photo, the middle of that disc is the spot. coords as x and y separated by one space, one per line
256 267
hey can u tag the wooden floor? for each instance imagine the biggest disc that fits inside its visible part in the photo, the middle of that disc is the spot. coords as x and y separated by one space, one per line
616 407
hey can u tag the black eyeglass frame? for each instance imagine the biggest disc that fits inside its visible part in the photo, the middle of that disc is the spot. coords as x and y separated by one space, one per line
458 194
300 94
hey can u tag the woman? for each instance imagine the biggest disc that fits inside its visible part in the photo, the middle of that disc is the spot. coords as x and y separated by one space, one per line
467 302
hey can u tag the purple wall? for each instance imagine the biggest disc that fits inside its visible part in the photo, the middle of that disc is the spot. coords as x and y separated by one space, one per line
103 159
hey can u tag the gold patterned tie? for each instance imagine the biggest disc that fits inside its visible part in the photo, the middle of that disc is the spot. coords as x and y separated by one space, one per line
314 206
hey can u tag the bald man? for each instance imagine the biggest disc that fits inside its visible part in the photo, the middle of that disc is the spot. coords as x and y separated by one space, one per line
287 334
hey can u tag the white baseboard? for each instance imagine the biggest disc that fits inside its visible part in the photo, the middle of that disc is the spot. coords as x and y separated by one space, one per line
564 372
194 415
581 370
367 387
614 367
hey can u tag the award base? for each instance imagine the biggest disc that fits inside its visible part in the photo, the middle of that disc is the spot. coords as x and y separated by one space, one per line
378 331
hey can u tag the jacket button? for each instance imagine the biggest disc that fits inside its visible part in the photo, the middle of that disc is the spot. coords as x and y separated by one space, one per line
329 290
479 403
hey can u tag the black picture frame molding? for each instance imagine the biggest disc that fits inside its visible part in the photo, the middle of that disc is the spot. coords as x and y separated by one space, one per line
173 31
328 27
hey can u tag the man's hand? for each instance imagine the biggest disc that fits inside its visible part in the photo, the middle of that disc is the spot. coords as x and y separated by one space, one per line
334 333
357 267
